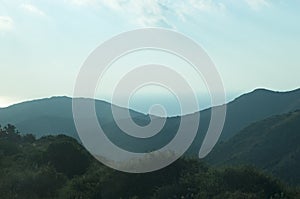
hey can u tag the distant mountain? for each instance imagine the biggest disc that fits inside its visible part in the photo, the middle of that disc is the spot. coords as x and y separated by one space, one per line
246 109
258 105
272 144
54 116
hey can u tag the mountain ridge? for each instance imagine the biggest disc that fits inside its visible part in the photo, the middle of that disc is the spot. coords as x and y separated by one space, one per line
104 101
54 116
272 144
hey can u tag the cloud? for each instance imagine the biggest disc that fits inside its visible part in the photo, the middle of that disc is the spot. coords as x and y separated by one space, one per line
32 9
164 12
83 2
257 4
154 12
142 12
204 5
187 8
6 23
157 12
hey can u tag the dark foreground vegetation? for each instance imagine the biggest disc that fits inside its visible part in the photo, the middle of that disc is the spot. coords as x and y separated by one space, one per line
59 167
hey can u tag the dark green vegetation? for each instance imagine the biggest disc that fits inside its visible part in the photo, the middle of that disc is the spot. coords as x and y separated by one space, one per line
272 144
59 167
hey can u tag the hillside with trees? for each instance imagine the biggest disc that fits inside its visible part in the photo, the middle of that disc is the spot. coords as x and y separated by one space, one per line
272 144
59 167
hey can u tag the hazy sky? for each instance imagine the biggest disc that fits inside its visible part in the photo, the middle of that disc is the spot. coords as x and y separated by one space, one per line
43 43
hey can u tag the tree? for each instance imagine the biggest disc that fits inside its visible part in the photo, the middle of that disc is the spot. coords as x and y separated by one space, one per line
67 158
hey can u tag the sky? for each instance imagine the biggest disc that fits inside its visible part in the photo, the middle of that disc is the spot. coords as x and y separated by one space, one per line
43 43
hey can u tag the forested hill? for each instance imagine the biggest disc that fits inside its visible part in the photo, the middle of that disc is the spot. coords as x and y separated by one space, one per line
59 167
272 144
257 105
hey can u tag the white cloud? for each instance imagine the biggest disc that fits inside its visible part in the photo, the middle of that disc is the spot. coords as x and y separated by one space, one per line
160 12
257 4
83 2
32 9
154 12
203 5
6 23
113 4
192 7
142 12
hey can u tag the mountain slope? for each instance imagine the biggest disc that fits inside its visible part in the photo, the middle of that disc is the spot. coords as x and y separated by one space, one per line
272 144
246 109
258 105
54 116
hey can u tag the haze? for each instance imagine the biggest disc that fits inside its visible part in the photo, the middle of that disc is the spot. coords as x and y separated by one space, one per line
44 43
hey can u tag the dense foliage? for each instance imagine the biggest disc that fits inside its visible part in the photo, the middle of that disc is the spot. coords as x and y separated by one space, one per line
59 167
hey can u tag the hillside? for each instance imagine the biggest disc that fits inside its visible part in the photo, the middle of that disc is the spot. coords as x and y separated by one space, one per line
246 109
272 144
53 116
258 105
59 167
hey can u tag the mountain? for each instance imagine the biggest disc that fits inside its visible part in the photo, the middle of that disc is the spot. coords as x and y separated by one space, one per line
54 116
246 109
254 106
272 144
